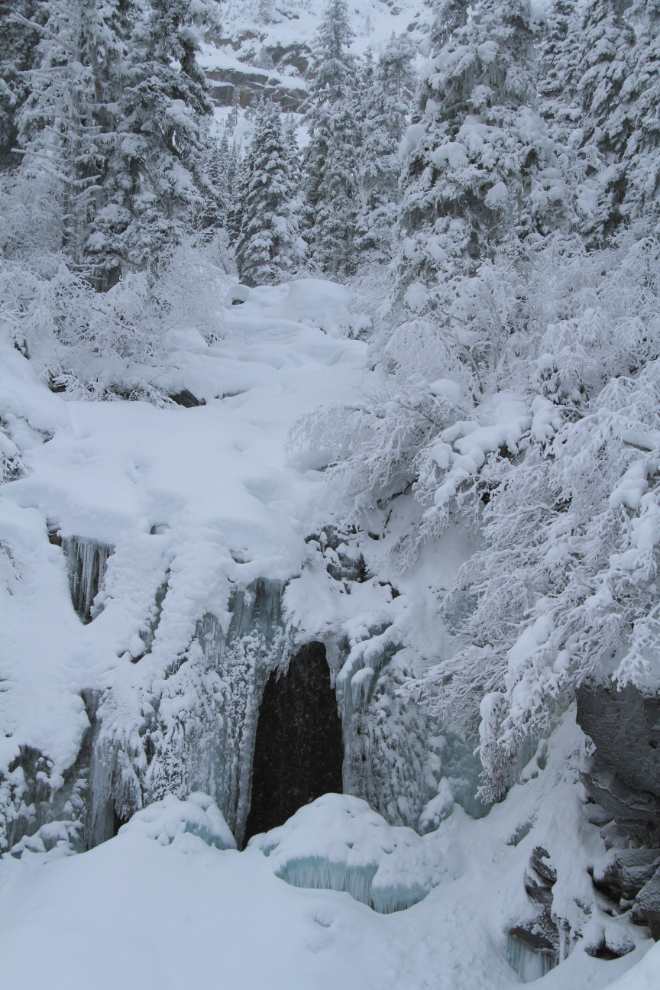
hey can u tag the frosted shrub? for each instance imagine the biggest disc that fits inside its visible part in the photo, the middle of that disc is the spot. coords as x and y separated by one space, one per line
565 583
84 340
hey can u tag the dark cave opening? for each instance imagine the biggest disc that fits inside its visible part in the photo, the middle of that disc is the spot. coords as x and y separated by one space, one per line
299 750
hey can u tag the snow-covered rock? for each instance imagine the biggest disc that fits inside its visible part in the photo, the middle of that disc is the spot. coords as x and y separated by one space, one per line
338 843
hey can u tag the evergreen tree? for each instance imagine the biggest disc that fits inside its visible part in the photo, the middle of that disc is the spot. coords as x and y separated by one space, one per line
331 165
63 124
239 190
268 242
18 45
482 176
156 183
218 168
120 127
383 120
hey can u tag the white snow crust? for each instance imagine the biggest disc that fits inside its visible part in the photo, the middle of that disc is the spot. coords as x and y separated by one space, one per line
209 499
189 492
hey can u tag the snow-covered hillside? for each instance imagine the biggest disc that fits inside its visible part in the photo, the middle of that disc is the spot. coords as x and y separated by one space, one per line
329 494
207 498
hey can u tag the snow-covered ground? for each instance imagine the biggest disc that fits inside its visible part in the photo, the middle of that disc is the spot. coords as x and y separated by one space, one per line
211 495
159 907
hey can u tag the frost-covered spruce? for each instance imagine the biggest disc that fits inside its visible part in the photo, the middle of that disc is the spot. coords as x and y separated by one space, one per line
383 115
18 47
481 176
63 123
120 127
268 247
331 165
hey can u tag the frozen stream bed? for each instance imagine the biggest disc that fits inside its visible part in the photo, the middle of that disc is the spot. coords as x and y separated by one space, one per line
204 499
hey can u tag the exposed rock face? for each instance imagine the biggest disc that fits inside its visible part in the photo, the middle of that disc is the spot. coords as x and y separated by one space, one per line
624 779
251 85
186 399
625 727
627 872
648 903
271 78
624 775
640 810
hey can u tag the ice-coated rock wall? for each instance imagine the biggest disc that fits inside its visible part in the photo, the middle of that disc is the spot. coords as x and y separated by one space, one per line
198 722
87 562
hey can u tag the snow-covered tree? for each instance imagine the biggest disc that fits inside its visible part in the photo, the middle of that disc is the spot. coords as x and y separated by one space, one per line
162 140
18 45
383 118
482 176
119 127
331 165
519 396
268 246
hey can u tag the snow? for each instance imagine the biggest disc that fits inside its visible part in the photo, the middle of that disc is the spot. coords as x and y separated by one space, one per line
145 912
205 499
158 562
171 490
171 820
372 21
447 388
463 447
339 843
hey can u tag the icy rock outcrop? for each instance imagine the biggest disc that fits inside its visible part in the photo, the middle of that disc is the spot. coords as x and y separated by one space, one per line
57 837
339 843
87 562
531 957
637 811
625 728
534 946
648 904
199 717
167 820
623 778
34 799
625 872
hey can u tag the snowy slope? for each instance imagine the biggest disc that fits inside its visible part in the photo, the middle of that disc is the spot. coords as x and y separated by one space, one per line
213 483
256 56
297 21
211 495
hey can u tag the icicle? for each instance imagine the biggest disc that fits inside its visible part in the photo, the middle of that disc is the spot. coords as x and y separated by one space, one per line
529 963
87 565
319 873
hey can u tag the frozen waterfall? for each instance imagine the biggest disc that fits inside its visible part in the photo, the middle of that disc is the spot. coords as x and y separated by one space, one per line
87 562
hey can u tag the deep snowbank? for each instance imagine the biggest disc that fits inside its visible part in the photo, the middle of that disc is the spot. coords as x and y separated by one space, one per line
144 911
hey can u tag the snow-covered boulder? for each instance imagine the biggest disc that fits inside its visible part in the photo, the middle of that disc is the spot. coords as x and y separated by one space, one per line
169 819
339 843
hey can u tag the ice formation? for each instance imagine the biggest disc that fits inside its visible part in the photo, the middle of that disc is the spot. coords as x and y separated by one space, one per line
528 962
167 820
87 562
199 720
142 723
339 843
